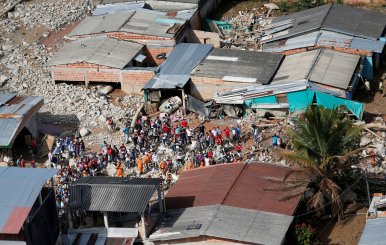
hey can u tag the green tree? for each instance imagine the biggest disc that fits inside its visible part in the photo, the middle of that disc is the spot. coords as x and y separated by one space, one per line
324 141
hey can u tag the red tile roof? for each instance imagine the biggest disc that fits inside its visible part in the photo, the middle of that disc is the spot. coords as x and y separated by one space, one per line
237 185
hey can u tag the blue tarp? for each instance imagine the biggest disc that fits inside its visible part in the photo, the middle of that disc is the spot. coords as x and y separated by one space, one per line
300 100
262 100
332 102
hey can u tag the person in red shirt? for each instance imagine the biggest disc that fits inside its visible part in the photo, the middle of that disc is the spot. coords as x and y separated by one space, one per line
218 140
184 123
210 154
227 133
238 147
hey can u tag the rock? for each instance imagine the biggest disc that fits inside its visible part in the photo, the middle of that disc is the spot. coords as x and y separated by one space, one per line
80 115
102 119
84 132
107 89
364 141
10 15
3 80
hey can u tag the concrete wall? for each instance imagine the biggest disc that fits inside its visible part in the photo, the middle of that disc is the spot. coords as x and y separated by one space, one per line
132 81
205 88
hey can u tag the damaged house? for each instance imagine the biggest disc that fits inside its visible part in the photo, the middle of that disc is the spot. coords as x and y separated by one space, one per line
325 77
339 27
102 60
158 32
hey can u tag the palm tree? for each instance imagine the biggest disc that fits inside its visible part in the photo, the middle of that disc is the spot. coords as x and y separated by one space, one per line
323 142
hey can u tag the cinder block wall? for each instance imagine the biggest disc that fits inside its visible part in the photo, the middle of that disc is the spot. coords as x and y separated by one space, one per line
132 81
205 88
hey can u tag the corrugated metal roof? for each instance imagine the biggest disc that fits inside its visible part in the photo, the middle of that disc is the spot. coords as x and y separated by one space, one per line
184 58
374 232
334 68
15 114
254 66
19 189
149 22
357 22
364 44
167 82
111 194
220 221
5 97
333 39
295 67
101 24
236 185
101 51
117 8
339 18
304 21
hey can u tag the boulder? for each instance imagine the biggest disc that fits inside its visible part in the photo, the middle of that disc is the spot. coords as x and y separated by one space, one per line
84 132
107 89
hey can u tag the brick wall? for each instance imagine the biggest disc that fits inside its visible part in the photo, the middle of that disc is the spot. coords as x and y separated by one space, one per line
153 51
205 88
344 50
132 81
205 38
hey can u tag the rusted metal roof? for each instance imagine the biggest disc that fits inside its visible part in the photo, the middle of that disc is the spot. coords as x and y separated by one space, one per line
19 189
237 185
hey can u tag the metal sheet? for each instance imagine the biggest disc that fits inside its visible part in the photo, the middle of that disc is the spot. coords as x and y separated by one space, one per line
101 51
334 68
374 232
19 189
247 66
364 44
109 194
167 82
5 97
116 8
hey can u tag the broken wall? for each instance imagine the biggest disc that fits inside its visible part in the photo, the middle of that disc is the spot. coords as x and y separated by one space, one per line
204 37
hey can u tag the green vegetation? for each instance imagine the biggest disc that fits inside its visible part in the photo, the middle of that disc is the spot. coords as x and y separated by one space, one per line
324 142
290 7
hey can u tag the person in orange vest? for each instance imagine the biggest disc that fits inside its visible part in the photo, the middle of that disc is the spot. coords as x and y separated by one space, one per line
189 165
119 172
140 165
162 166
202 164
146 160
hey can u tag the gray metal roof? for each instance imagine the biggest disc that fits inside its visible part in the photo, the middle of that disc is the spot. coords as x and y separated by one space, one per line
365 44
19 189
334 68
306 40
111 194
184 58
15 114
5 97
220 221
239 65
374 232
117 8
101 51
357 22
295 67
167 82
343 19
149 22
175 71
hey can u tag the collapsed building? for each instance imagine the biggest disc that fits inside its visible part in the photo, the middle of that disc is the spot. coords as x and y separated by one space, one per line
158 32
103 60
339 27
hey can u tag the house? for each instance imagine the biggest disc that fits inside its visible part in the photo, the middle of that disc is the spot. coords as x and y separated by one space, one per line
129 205
173 76
202 7
17 122
325 77
339 27
102 60
228 203
28 207
160 33
226 69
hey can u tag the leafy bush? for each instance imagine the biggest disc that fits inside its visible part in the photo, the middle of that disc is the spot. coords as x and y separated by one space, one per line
305 234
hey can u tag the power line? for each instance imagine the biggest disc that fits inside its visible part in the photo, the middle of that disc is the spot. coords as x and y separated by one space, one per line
356 182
